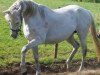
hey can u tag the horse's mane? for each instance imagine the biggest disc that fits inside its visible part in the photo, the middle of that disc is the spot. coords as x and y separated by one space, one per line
28 7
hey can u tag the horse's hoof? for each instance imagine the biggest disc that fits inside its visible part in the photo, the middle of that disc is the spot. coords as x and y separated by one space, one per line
25 73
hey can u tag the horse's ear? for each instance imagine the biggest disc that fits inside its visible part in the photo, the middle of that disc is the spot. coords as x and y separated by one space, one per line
7 12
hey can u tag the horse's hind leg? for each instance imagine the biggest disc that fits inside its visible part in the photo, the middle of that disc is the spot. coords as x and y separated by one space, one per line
82 36
75 45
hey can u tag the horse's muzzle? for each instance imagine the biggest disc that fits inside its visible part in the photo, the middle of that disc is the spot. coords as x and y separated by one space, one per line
14 36
14 33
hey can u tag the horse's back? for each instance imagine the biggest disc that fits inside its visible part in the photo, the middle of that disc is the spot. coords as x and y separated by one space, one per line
67 9
82 15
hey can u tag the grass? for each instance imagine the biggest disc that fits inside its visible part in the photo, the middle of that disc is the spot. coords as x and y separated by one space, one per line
10 49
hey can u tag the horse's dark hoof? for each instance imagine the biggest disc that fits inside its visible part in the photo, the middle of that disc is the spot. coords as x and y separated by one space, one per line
25 73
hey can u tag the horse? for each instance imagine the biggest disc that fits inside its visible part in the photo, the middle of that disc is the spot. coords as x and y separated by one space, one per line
42 25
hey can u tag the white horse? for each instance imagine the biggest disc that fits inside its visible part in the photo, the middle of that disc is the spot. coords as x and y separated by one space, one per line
42 25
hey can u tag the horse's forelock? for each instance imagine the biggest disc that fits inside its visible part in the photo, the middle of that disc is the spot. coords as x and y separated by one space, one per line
28 7
14 7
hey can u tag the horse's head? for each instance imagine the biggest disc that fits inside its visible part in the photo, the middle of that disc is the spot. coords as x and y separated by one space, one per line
13 17
21 8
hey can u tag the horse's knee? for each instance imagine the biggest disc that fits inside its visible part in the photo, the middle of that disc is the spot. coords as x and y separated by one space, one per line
24 50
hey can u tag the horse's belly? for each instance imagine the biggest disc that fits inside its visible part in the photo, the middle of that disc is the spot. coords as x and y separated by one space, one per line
53 40
58 36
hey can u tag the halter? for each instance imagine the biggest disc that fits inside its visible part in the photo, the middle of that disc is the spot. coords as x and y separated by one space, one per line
18 30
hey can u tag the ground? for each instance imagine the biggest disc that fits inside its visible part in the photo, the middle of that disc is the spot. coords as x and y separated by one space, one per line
92 67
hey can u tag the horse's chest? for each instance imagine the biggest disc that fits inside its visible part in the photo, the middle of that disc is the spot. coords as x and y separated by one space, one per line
28 33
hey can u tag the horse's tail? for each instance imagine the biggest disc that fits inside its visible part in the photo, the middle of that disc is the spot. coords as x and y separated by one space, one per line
95 39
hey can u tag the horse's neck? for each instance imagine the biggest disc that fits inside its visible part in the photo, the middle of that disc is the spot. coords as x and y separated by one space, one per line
50 13
43 14
51 16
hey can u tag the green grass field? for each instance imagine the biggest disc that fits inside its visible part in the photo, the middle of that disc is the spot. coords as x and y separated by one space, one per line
10 49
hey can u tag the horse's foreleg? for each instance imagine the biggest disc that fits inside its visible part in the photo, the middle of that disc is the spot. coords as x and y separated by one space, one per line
30 45
22 64
36 57
75 45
